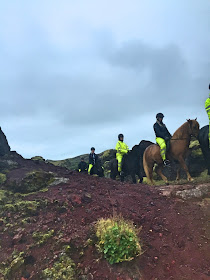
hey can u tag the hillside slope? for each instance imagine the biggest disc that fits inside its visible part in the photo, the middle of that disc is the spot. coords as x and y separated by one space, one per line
37 229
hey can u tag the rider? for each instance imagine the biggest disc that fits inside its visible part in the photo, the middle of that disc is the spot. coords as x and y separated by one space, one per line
162 136
207 107
92 159
122 149
82 166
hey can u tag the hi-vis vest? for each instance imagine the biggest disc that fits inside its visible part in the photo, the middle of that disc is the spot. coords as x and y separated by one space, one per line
207 105
121 148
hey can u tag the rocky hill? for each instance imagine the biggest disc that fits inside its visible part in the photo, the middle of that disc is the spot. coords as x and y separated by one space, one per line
48 215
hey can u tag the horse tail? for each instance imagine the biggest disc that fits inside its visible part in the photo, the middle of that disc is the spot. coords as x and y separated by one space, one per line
147 169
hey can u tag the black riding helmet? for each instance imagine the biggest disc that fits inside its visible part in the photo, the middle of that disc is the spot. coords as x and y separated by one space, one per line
92 149
120 136
159 115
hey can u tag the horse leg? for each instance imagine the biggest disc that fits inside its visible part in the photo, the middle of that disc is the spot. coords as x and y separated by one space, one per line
122 177
140 177
133 175
148 171
184 166
158 170
114 170
178 173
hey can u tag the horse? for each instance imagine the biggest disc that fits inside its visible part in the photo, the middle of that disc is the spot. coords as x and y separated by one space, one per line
97 169
132 163
178 150
203 139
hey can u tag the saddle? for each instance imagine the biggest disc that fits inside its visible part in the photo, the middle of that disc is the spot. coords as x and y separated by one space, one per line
168 144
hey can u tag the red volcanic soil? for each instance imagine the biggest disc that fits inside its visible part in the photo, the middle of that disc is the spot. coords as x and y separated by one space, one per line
174 233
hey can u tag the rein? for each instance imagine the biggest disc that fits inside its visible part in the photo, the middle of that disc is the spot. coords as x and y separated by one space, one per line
182 138
179 139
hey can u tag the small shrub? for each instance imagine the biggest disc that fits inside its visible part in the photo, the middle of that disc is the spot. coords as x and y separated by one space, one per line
117 239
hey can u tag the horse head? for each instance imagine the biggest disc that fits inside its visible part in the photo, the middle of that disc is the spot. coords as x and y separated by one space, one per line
194 127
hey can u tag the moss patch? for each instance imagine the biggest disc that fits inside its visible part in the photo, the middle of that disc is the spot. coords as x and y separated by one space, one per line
3 178
32 182
63 269
42 237
12 265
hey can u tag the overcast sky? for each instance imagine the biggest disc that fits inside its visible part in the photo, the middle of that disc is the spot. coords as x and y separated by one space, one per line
75 74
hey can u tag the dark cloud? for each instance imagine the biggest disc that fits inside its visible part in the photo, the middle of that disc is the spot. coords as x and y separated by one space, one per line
59 99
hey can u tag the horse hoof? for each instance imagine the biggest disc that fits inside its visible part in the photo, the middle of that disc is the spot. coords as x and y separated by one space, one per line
167 183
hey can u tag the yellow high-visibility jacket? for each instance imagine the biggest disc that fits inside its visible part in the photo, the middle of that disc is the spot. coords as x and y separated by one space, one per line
207 105
121 148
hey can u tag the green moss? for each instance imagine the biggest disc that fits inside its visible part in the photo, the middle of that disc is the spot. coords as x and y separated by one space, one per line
63 269
3 178
38 158
32 182
12 265
9 208
3 197
25 207
41 237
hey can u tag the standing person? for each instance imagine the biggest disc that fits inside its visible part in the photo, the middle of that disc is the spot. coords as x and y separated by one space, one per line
93 158
162 136
121 149
207 107
82 166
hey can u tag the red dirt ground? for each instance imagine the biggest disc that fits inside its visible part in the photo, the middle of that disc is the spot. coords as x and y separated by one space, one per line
175 234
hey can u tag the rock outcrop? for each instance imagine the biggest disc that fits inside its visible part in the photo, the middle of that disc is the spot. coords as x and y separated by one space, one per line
4 146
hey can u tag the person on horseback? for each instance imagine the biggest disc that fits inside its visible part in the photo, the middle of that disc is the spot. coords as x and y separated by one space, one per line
82 166
162 136
121 149
93 158
207 107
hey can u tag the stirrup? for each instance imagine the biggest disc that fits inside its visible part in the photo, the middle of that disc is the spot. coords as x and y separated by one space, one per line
166 162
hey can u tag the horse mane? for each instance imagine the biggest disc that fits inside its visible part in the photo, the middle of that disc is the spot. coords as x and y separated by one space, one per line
182 129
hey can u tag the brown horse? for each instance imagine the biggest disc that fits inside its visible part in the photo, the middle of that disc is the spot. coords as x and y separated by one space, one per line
178 150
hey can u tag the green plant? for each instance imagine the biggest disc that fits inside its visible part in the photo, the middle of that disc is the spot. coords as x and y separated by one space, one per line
3 178
41 237
63 269
117 239
12 265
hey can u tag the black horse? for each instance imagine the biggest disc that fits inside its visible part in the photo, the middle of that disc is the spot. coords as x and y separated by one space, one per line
132 163
203 138
97 169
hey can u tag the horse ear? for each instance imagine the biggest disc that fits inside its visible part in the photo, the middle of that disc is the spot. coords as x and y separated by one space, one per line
195 119
189 120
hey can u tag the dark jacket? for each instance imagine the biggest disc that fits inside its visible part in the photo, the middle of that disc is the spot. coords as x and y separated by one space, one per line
82 166
93 158
161 131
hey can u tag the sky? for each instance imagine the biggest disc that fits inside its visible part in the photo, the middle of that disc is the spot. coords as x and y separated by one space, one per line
75 74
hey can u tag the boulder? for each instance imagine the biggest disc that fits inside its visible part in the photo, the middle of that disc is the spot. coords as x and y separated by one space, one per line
31 182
